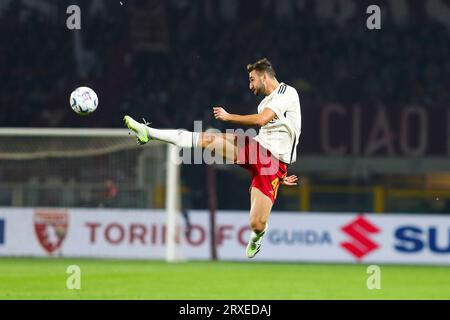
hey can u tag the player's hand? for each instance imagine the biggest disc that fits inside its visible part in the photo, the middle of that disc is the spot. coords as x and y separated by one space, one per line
221 114
290 181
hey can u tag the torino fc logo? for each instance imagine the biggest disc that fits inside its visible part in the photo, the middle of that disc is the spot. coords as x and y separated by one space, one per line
359 230
51 229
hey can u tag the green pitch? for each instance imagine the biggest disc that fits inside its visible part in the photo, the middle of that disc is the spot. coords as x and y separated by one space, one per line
115 279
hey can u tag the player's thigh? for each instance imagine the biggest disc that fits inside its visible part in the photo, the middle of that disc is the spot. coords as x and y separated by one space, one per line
230 137
261 206
207 138
223 143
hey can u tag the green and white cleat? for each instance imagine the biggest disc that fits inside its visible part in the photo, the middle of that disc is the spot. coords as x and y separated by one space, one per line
253 247
139 129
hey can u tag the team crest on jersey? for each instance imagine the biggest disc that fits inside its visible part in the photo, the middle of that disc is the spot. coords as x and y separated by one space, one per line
51 229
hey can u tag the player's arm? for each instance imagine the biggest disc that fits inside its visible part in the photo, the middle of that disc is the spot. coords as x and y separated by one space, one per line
260 119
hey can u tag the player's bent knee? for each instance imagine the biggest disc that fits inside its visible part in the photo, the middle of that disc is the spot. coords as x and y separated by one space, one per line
257 224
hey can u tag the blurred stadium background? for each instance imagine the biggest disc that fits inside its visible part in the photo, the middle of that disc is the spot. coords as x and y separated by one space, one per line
373 155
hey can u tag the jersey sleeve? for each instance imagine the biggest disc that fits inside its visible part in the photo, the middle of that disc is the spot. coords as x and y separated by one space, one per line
279 104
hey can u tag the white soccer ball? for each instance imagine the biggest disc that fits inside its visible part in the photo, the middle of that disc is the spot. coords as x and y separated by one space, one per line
83 101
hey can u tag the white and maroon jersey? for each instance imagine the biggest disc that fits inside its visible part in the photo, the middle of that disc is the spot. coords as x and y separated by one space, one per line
280 136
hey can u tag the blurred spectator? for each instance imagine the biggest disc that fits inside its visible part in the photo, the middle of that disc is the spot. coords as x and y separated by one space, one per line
109 194
170 61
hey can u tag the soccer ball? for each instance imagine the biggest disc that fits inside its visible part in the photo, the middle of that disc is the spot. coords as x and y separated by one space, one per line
83 101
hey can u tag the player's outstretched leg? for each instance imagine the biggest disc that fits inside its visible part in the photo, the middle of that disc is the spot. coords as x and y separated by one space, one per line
261 207
178 137
223 145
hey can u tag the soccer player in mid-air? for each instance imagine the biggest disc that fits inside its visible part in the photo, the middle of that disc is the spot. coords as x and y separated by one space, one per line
266 156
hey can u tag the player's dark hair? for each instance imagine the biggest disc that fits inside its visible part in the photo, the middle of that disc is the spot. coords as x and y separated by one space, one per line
262 65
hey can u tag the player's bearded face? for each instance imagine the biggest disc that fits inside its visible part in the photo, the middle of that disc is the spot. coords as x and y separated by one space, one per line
256 84
260 89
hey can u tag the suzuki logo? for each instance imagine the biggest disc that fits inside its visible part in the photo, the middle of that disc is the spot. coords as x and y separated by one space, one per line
359 230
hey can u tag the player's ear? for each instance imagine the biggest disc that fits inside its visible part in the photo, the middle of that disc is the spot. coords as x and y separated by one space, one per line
264 76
